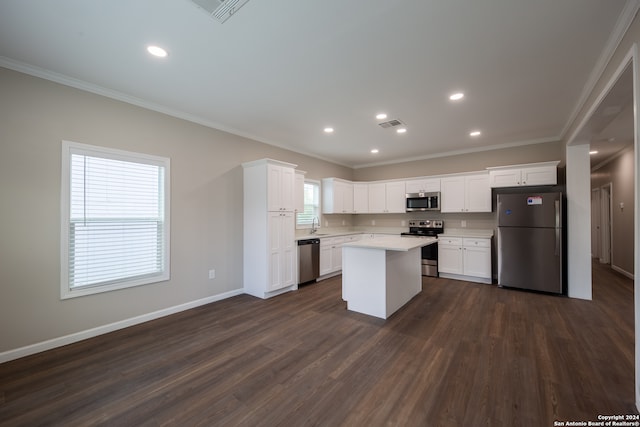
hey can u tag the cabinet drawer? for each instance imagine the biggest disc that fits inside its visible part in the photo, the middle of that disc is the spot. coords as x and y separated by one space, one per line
480 243
450 241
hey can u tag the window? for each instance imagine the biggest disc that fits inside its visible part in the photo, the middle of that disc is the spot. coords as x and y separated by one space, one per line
115 219
311 205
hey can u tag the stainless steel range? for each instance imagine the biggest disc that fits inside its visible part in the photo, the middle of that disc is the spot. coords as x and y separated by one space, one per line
427 228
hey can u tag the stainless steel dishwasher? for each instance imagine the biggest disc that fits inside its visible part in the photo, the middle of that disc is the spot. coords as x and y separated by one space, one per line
308 260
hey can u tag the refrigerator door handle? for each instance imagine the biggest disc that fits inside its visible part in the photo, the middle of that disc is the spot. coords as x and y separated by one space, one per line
557 203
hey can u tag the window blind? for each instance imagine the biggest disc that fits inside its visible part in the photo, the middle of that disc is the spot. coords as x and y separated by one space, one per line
311 204
116 221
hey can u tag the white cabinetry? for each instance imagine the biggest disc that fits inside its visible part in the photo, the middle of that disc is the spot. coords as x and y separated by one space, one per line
476 254
337 196
360 197
450 255
524 175
280 183
298 195
465 258
270 252
330 255
282 250
387 197
466 193
422 185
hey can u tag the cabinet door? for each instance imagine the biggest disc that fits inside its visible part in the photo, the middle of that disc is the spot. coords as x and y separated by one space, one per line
477 193
395 197
298 195
477 261
336 253
425 185
274 188
275 250
453 194
360 198
543 175
289 250
377 197
449 259
504 178
282 250
287 189
325 258
346 193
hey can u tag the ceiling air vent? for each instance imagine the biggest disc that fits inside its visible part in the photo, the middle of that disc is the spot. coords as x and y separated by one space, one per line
391 123
220 9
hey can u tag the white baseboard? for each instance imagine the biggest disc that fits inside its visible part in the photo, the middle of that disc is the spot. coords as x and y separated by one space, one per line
621 271
90 333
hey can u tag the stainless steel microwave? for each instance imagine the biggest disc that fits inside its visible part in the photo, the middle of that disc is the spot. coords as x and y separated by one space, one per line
417 202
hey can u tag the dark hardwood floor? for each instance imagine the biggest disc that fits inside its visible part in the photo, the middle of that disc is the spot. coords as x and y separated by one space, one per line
459 354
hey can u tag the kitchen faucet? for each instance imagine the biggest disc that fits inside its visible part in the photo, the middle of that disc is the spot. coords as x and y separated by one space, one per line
313 225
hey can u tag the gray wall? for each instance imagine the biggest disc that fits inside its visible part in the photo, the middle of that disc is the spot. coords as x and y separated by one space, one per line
620 173
206 205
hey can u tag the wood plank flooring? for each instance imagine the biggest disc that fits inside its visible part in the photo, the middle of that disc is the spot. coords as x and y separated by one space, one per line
459 354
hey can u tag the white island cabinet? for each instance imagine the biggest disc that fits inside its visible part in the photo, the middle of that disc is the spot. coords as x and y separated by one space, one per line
381 275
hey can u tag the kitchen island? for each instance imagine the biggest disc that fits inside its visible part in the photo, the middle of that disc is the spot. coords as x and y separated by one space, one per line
381 275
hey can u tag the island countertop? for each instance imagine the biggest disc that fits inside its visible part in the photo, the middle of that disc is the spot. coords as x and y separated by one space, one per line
392 243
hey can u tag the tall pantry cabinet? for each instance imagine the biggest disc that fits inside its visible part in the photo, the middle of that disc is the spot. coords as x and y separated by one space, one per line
269 253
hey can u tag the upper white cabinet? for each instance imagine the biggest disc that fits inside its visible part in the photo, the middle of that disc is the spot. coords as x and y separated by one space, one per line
337 196
298 194
387 197
529 174
280 183
360 197
422 185
465 193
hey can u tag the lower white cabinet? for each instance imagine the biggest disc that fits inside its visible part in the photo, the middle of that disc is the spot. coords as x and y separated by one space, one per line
465 258
282 250
330 255
331 252
450 255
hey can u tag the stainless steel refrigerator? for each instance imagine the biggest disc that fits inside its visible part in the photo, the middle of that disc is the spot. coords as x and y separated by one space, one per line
530 241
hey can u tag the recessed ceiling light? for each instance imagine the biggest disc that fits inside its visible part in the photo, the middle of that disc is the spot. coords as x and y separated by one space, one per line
381 116
475 133
456 96
328 130
157 51
401 130
375 151
593 152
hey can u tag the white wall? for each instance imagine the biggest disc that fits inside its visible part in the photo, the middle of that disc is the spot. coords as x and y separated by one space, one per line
579 223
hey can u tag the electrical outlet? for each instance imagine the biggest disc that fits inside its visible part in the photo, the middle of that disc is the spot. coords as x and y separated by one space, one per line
463 223
373 222
212 274
403 223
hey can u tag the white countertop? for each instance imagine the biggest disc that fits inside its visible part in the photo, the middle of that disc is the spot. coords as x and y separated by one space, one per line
392 243
467 232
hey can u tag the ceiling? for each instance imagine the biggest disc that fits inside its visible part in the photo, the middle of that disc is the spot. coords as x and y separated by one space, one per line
280 71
